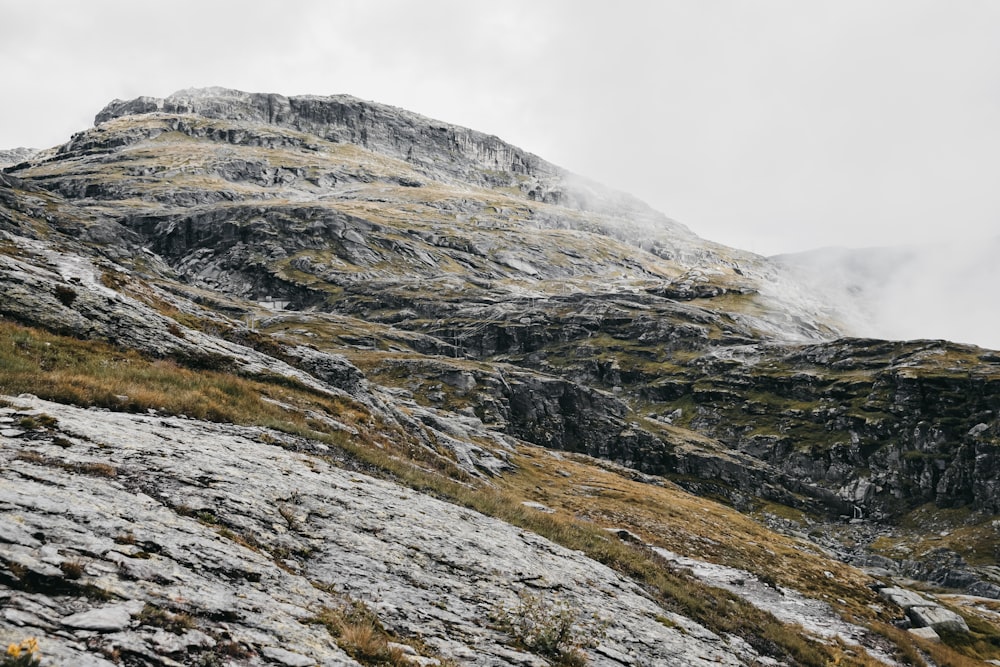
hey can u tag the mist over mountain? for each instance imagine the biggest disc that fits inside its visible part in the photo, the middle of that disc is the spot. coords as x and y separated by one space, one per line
906 292
14 155
316 380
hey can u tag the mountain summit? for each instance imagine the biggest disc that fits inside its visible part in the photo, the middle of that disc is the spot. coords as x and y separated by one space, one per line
467 175
283 370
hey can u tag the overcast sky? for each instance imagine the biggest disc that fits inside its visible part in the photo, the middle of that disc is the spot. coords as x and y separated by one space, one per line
769 125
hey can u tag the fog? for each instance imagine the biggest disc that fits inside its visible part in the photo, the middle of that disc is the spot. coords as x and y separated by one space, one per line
949 291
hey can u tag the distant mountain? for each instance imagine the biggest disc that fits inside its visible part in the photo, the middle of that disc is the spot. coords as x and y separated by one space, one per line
315 380
16 155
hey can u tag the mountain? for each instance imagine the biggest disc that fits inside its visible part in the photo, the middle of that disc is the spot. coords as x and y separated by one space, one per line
16 155
315 380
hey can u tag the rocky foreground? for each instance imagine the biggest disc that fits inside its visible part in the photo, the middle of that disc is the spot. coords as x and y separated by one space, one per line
164 540
253 535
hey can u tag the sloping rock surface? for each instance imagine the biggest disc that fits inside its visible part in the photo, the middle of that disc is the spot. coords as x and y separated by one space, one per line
172 529
923 612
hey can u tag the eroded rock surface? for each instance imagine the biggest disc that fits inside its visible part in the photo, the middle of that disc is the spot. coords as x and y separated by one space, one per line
923 612
252 540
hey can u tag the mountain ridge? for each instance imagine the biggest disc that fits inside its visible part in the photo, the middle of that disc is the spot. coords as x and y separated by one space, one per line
620 216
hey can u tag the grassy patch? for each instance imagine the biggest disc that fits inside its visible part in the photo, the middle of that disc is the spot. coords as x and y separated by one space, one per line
953 652
161 618
357 630
970 534
91 373
92 468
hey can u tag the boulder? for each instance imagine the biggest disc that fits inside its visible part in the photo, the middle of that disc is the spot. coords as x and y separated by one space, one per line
104 619
925 633
937 618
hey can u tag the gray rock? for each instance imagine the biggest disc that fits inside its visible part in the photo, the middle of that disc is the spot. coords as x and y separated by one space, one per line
547 311
786 605
21 618
13 533
906 599
16 155
538 506
927 633
978 429
427 568
625 535
875 561
333 369
286 657
938 618
924 613
985 589
104 619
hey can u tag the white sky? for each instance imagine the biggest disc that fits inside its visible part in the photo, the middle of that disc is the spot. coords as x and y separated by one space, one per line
771 125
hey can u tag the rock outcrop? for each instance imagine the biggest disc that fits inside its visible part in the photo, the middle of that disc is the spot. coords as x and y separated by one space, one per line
128 523
925 613
437 232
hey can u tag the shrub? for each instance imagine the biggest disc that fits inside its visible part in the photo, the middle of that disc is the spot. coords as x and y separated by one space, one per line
29 423
72 569
66 295
550 628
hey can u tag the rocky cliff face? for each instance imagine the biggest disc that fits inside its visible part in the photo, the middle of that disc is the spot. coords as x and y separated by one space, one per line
343 119
367 293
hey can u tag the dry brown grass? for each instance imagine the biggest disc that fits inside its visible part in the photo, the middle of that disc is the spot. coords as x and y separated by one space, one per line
72 569
369 646
578 487
154 616
360 634
669 517
92 468
927 528
90 373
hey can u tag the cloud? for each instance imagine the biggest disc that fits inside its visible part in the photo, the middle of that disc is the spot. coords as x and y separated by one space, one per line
908 292
944 292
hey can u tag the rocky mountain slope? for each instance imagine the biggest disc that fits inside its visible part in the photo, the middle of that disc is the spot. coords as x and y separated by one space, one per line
342 370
